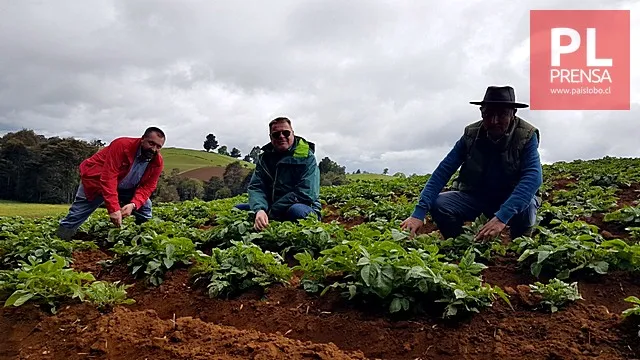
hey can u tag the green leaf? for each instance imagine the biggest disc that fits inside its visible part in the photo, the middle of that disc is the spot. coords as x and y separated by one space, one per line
396 305
451 310
405 304
352 291
543 255
631 311
536 268
423 286
601 267
525 255
397 235
384 280
365 273
153 265
170 250
632 299
564 274
18 298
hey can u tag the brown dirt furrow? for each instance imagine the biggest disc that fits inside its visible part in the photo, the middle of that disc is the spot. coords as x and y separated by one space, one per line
81 332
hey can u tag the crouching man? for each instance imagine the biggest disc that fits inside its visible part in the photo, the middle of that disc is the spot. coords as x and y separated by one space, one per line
123 176
286 182
500 174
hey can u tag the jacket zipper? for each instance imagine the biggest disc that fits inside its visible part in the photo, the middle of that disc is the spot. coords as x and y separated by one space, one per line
265 169
273 188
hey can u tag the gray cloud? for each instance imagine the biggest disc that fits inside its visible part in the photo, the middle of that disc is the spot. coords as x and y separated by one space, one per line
375 85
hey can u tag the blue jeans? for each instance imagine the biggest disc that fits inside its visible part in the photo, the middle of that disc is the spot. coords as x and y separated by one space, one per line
453 208
294 212
82 208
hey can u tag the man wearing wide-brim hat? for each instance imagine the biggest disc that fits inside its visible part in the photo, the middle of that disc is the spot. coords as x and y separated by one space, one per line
500 174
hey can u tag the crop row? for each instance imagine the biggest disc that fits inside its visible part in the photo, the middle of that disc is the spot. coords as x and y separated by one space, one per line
372 262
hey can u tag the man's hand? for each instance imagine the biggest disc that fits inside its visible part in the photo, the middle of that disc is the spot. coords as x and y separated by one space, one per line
491 229
262 220
116 218
127 210
412 224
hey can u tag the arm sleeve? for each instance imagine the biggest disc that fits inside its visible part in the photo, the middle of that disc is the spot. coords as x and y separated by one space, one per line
109 177
257 189
439 179
530 182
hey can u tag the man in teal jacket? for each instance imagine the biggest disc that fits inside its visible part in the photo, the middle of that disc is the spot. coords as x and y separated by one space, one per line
286 182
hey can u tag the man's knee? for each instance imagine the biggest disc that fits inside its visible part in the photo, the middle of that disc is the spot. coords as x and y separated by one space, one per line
78 213
451 209
145 212
445 204
523 223
299 211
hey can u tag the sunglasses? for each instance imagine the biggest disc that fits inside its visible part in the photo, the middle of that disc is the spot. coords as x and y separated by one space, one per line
276 134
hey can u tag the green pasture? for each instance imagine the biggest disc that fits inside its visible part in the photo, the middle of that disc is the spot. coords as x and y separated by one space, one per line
12 208
187 159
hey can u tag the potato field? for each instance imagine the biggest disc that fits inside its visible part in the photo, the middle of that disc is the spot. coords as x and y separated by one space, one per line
197 282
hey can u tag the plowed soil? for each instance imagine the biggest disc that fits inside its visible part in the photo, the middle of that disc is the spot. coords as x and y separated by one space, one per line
177 321
285 322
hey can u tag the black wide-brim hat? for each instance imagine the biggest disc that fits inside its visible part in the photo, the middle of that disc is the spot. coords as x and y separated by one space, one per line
500 96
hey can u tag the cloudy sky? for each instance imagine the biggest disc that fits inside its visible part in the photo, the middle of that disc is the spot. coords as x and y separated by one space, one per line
374 84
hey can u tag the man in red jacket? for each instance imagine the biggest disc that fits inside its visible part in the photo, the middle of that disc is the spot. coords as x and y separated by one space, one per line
123 176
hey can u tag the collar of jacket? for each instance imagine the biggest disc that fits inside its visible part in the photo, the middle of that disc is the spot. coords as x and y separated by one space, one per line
134 149
298 152
503 142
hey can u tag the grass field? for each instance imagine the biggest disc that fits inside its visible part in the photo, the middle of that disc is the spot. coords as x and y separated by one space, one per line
369 177
190 157
187 159
12 208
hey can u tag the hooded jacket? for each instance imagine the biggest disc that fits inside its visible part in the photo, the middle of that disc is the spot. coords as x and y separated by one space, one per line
295 179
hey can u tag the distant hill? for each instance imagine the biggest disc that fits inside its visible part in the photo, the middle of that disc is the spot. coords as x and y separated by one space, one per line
196 163
202 165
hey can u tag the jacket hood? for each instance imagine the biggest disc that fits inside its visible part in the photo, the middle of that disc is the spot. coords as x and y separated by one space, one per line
296 142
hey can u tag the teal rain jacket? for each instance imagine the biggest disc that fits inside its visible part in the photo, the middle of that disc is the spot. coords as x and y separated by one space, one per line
296 179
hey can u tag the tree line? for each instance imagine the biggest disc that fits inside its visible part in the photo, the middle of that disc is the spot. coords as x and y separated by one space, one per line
331 173
34 168
39 169
174 187
211 143
235 181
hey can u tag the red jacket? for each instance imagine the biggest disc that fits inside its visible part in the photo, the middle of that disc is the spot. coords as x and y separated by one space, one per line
101 173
